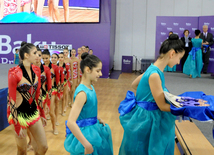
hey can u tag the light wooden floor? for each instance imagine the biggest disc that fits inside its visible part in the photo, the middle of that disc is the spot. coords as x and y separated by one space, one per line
76 15
110 93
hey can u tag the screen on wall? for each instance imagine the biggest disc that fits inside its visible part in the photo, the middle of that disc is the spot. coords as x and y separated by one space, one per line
53 11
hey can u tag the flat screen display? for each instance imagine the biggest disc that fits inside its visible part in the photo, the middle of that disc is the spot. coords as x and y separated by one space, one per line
53 11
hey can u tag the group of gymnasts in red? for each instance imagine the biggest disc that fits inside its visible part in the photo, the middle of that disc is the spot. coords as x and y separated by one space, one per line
35 90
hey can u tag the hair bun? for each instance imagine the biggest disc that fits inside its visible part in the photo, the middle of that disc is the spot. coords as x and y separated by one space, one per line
84 55
173 37
23 43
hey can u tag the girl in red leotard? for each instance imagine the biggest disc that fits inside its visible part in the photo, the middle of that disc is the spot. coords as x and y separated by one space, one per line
75 74
66 72
54 60
24 105
67 61
55 95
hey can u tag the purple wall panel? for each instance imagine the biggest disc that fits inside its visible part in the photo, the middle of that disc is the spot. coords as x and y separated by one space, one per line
208 20
165 24
96 36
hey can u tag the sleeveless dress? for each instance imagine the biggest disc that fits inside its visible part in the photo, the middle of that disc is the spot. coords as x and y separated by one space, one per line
97 134
168 69
17 58
147 131
194 63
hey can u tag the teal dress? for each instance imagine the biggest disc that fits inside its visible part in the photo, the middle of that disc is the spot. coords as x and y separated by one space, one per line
168 69
147 131
194 62
17 58
97 134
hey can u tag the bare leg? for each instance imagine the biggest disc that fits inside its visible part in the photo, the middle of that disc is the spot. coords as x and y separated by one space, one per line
18 6
50 9
39 140
64 99
29 147
35 6
21 144
40 7
26 7
52 114
56 11
1 9
56 110
73 89
66 10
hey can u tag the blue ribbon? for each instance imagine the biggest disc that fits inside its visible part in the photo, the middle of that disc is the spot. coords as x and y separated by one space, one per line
82 123
193 52
130 102
200 113
205 47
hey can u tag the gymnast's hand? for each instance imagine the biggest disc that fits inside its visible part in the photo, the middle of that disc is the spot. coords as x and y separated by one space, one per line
89 149
101 121
44 121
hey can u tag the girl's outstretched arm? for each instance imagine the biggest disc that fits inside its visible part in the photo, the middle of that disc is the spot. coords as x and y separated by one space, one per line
136 82
157 92
72 118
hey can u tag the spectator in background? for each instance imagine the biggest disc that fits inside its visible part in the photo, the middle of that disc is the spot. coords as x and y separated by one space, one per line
207 42
188 46
87 49
90 51
16 57
194 64
167 68
83 49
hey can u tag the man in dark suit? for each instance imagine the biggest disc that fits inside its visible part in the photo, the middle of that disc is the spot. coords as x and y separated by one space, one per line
207 40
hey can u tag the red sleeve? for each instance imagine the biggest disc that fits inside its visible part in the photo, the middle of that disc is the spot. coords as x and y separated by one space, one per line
14 76
37 71
49 85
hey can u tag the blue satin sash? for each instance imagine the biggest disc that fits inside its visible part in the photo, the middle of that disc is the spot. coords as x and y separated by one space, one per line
193 52
82 123
130 102
200 113
205 47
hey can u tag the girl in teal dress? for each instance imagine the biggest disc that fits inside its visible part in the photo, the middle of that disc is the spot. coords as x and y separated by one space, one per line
85 132
194 63
16 57
149 127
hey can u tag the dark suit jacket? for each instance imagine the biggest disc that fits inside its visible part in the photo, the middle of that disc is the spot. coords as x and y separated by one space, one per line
209 38
189 43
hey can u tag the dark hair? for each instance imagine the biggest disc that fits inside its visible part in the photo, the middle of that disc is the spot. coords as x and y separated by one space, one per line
46 51
90 61
23 43
197 32
86 47
16 49
61 53
56 55
172 43
185 31
170 32
38 49
25 48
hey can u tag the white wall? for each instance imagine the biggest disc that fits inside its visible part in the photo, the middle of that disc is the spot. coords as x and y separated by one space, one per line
136 24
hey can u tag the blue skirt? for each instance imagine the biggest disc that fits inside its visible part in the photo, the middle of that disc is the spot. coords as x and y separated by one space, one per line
98 135
147 132
193 67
